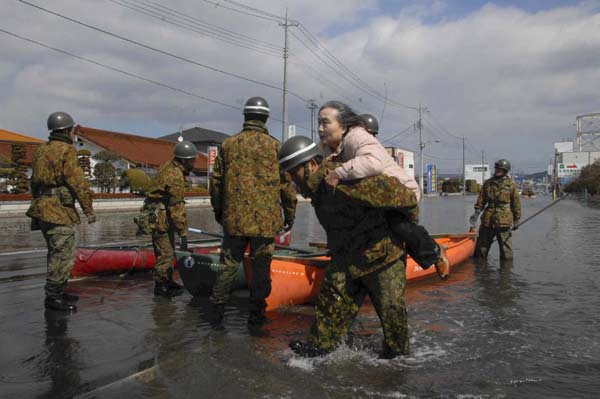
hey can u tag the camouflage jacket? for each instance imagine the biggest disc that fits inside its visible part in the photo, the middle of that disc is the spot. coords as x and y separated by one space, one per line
57 180
354 216
500 198
167 194
248 189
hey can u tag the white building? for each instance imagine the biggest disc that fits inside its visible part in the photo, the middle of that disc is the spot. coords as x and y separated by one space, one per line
478 172
404 158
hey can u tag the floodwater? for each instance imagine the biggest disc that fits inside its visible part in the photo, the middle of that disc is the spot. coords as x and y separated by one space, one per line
525 329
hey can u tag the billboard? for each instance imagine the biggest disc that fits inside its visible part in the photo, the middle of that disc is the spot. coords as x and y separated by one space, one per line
431 178
570 170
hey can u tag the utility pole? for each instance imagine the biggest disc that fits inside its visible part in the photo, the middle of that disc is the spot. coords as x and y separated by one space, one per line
312 105
421 146
285 25
482 168
555 175
464 181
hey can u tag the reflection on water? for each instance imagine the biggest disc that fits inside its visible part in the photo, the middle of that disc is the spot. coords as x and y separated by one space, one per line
526 328
59 360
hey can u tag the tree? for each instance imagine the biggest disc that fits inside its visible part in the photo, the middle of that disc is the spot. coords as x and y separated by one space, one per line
106 176
589 180
104 171
83 156
20 179
137 180
106 156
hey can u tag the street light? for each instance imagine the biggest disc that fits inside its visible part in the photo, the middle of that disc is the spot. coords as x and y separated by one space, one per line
421 146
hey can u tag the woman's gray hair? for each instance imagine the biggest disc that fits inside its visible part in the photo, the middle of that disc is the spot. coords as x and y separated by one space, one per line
346 116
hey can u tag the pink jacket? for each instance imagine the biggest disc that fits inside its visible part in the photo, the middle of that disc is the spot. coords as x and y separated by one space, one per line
363 156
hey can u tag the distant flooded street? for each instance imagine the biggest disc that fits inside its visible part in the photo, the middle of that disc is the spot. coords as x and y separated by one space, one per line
528 328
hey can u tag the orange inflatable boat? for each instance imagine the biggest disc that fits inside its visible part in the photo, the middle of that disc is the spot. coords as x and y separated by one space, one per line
296 278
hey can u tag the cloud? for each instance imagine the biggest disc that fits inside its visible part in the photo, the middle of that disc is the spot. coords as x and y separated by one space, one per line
509 80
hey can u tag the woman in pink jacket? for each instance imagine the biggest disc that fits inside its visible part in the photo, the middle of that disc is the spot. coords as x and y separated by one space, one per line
345 139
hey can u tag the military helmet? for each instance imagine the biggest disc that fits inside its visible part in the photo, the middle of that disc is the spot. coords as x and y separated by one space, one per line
503 164
296 151
185 150
60 120
371 122
256 105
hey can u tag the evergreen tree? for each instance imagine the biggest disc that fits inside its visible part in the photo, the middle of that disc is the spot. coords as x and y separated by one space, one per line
104 172
20 179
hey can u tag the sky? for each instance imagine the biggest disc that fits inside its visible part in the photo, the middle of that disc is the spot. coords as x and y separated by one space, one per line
508 76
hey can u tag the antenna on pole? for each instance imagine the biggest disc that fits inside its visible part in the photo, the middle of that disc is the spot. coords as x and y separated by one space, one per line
285 25
312 105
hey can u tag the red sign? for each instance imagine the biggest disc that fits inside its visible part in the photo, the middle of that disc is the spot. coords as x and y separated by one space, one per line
400 158
212 155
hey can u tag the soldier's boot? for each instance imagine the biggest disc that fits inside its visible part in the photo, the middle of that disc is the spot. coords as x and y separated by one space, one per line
59 304
54 298
173 285
257 318
162 288
67 296
442 266
216 315
70 297
307 349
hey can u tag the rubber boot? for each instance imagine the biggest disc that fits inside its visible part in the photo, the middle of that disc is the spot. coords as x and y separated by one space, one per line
173 285
59 303
217 314
306 349
70 297
257 318
162 288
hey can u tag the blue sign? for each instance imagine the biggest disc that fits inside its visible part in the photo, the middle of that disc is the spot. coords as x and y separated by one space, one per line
431 179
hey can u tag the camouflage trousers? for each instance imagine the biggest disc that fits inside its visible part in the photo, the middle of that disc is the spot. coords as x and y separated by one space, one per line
164 250
61 241
485 239
341 297
232 253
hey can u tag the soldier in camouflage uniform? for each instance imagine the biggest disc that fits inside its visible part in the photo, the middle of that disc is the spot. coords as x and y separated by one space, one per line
248 192
166 203
56 182
501 205
365 256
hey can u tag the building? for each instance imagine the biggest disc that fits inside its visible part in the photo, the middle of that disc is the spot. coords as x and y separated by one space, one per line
135 151
202 138
478 172
7 140
404 158
570 162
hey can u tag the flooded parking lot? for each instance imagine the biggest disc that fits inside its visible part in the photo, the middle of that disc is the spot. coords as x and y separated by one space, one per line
528 328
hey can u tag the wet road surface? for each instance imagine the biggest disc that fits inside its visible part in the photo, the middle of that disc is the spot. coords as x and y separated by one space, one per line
529 328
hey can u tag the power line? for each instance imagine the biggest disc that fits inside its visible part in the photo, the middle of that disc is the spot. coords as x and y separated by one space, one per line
106 66
256 10
356 80
160 51
130 74
400 134
442 127
219 5
174 17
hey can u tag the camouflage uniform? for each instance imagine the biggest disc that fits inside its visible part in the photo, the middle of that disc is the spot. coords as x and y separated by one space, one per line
248 191
364 257
166 198
56 182
500 198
